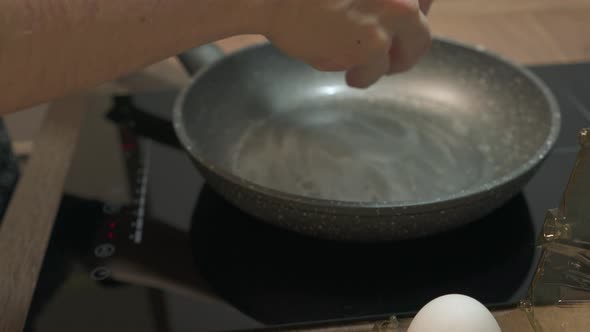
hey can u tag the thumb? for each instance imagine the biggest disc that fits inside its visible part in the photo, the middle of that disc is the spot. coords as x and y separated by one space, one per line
366 75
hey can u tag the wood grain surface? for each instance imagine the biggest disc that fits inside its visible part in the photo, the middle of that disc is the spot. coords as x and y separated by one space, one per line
25 229
525 31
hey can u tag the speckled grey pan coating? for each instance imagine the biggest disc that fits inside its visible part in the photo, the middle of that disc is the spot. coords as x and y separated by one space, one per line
418 153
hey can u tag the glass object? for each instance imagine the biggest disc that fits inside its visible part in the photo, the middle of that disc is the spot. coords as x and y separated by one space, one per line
559 296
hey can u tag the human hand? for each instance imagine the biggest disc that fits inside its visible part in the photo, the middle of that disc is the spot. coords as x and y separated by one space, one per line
365 38
425 5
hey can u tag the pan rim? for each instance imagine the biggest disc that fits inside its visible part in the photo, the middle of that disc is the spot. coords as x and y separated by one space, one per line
454 199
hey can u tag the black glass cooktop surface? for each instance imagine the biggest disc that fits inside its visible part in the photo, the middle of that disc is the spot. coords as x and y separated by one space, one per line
142 243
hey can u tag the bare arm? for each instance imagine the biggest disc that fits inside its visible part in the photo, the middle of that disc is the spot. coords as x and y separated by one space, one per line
52 47
49 48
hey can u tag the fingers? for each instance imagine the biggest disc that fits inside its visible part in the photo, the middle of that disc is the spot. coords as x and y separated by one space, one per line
365 38
425 6
366 75
411 41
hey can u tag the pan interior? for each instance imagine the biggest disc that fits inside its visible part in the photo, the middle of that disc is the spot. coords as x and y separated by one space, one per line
457 121
347 149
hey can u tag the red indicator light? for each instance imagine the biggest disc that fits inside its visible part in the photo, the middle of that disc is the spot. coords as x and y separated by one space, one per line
111 235
129 146
112 225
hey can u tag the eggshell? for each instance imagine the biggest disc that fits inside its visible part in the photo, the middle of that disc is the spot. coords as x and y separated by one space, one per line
454 313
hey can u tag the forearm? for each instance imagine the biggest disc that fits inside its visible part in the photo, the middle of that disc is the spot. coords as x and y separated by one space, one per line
53 47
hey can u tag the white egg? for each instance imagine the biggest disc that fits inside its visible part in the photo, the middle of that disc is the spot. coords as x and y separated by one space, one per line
454 313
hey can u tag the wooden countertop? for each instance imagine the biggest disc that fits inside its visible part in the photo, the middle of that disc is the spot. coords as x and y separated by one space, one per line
526 31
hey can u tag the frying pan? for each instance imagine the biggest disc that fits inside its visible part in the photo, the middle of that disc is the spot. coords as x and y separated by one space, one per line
418 153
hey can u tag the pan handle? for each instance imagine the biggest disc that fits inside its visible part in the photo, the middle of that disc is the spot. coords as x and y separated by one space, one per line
160 129
199 57
125 113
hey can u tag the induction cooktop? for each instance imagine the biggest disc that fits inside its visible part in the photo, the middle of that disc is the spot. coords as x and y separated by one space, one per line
142 243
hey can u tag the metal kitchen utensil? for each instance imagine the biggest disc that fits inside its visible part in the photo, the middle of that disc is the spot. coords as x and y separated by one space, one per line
418 153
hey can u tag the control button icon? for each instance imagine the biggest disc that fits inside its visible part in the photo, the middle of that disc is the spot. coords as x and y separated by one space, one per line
104 250
100 273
